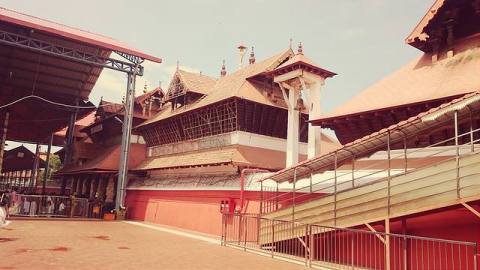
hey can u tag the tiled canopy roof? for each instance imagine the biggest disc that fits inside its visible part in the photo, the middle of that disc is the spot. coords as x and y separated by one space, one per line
236 155
233 85
196 82
107 160
419 81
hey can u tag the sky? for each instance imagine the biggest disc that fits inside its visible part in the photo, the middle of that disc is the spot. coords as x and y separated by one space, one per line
360 40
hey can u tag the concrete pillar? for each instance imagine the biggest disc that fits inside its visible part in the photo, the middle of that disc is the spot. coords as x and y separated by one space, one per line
314 137
293 129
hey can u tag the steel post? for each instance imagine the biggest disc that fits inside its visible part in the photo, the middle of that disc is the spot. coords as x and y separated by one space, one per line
457 152
47 165
471 133
389 170
405 154
293 195
70 133
3 138
125 147
335 189
33 182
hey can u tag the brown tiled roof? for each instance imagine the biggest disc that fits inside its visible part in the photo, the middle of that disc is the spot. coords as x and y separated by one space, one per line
195 82
233 85
418 31
419 81
140 99
301 59
108 159
80 124
236 155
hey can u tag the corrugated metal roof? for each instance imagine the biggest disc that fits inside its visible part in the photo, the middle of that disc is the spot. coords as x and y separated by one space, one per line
373 142
71 33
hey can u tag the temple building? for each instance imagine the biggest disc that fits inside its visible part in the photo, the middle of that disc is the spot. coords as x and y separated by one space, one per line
215 137
423 117
448 36
92 169
17 171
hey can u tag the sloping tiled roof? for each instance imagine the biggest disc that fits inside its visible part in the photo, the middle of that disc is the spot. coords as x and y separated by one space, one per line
419 81
236 155
301 59
418 30
140 99
79 125
233 85
53 28
108 160
196 82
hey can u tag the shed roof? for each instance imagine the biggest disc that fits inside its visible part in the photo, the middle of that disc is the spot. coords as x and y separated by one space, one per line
76 34
423 123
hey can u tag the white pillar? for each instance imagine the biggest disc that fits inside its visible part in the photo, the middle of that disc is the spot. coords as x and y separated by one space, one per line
314 137
293 129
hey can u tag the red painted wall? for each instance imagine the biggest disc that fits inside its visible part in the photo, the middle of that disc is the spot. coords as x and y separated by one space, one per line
197 210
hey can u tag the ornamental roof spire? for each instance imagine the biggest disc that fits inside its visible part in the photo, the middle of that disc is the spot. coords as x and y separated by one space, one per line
251 60
223 72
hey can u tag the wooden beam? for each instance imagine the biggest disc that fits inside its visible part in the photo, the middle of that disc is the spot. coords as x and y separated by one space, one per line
471 209
376 233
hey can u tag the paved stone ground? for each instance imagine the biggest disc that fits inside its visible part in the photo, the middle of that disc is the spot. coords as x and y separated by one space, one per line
40 245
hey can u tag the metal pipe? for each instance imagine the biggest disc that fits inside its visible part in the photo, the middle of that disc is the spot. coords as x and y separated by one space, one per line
353 171
125 147
471 132
242 186
47 165
405 154
389 169
276 197
293 195
335 190
3 139
457 152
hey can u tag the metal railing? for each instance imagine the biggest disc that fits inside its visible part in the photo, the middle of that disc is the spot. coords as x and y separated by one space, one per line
273 199
342 248
48 206
18 182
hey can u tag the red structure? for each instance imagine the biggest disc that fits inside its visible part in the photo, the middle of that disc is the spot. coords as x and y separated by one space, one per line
206 143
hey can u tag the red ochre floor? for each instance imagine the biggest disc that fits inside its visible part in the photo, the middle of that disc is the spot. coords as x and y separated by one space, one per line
27 244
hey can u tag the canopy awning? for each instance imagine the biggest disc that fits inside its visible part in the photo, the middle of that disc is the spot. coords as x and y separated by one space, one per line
56 64
419 127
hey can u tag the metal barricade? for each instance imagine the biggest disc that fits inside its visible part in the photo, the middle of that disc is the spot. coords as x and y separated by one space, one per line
343 248
48 206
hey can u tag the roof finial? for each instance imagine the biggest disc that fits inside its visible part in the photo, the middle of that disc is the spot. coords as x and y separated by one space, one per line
290 43
300 48
251 60
178 65
241 49
223 72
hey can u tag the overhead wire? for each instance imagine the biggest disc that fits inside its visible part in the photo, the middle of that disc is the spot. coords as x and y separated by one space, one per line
51 102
